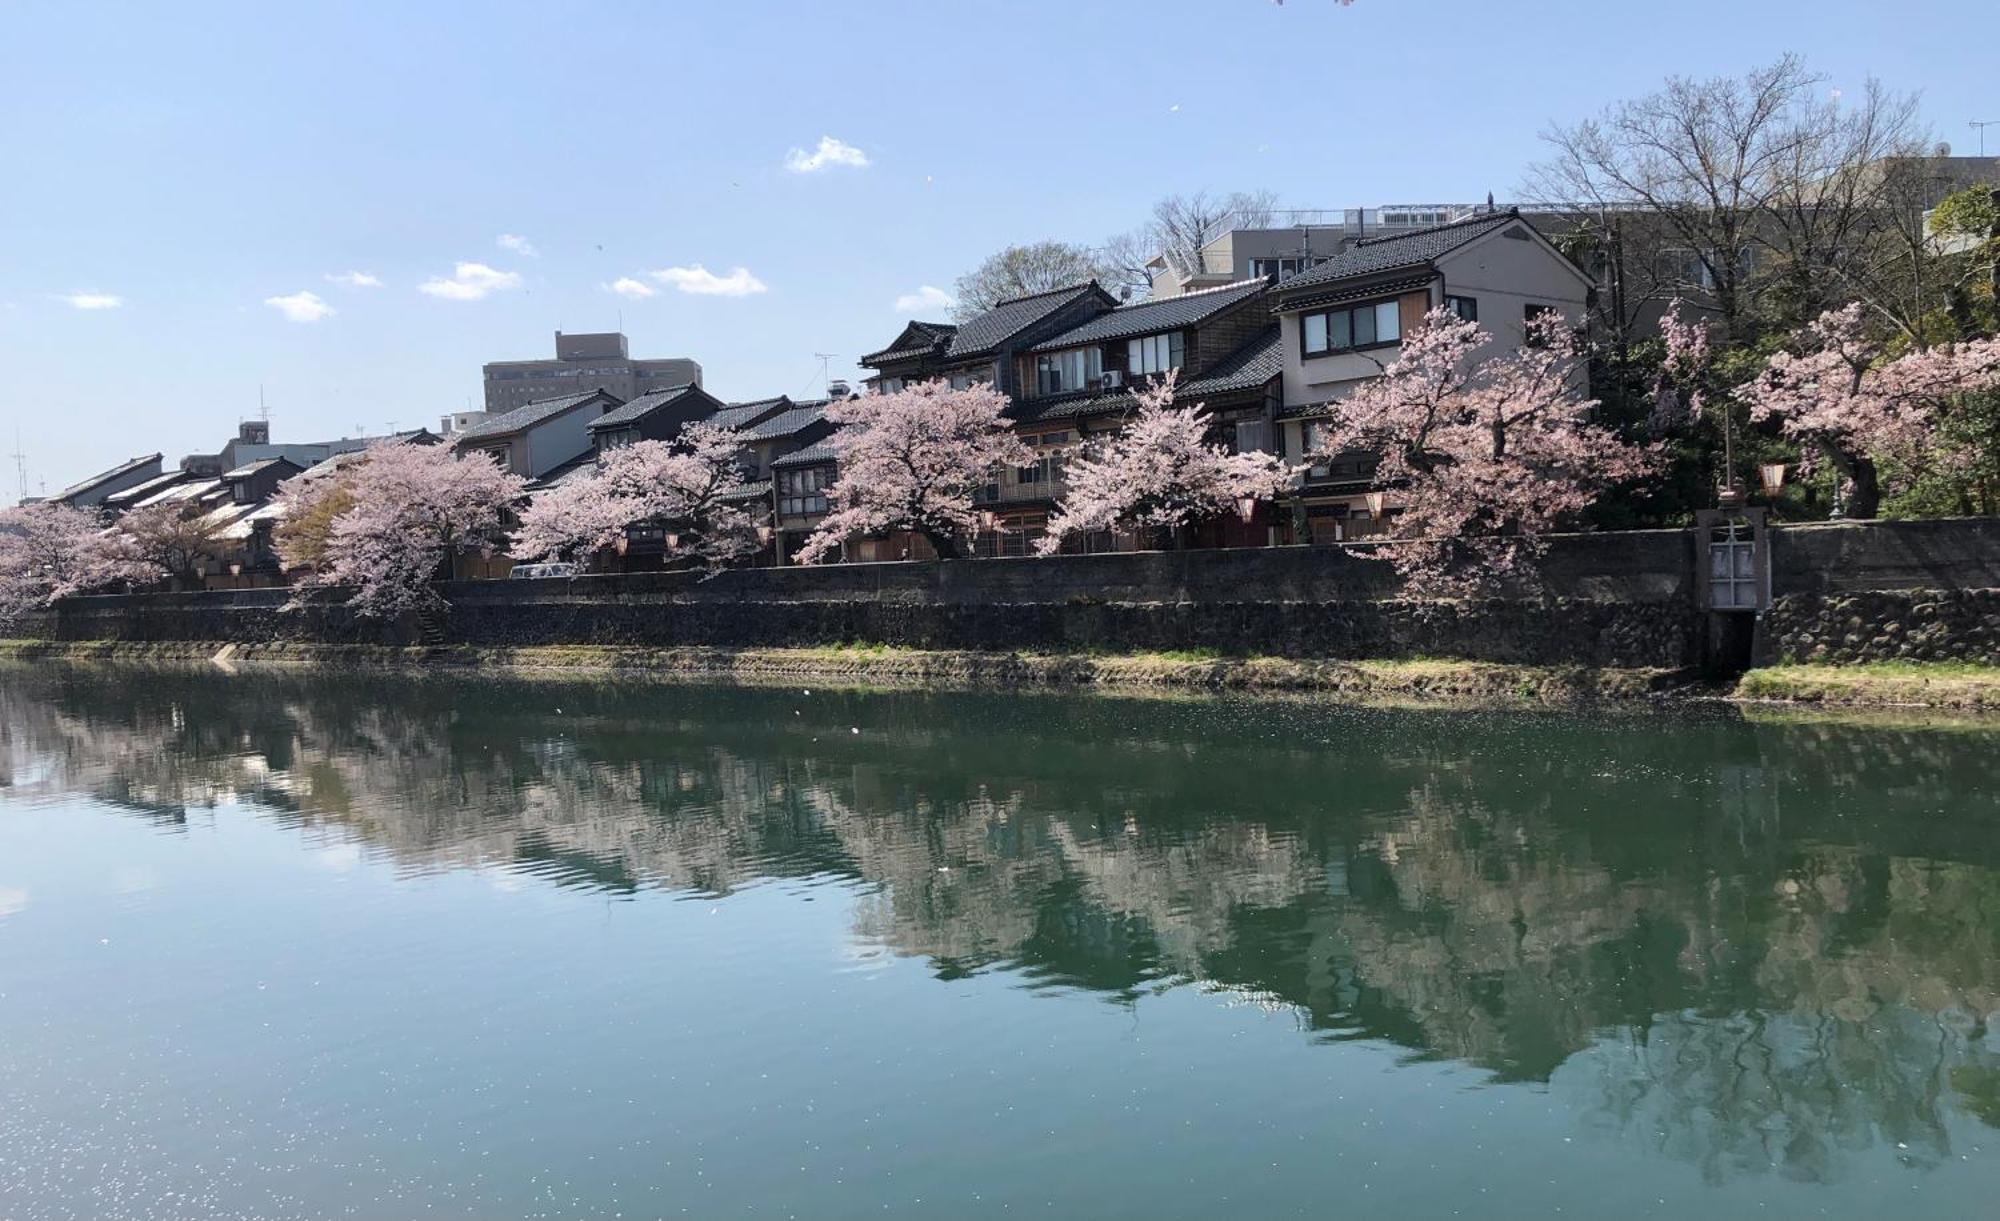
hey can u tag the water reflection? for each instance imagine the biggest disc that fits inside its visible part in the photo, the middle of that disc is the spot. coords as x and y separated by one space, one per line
1755 946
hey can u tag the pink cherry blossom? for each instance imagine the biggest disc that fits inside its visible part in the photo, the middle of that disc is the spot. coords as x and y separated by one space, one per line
49 552
1846 402
914 460
414 507
684 486
1484 456
1158 471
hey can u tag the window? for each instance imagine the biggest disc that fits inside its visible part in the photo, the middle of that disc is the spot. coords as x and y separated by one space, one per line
1352 328
966 381
802 493
1047 468
1283 268
1056 372
1465 309
1154 353
1533 326
889 385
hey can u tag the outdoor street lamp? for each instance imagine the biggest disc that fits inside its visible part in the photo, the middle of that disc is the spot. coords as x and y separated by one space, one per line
1246 508
673 541
1374 500
1772 476
989 521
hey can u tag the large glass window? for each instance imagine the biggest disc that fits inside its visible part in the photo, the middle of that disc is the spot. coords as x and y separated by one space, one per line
1057 372
1154 353
1356 326
802 493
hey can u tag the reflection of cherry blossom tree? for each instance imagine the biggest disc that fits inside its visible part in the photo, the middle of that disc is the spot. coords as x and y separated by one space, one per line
913 460
414 506
1841 398
1160 471
49 552
682 486
1487 455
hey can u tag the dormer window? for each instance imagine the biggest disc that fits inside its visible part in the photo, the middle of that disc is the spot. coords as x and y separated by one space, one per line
1059 372
1151 354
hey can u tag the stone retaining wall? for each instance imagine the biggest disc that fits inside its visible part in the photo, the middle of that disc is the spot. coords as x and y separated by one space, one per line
1883 625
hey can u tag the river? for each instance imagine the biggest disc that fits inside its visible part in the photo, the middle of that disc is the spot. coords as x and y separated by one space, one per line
284 943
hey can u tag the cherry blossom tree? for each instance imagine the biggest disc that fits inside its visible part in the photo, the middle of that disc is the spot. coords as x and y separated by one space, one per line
173 538
1159 471
413 507
684 486
49 552
1485 455
913 460
1847 402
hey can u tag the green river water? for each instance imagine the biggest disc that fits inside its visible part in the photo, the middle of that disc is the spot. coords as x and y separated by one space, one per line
290 944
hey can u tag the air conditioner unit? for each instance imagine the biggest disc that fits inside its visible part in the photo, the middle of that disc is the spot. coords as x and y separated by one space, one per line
1111 379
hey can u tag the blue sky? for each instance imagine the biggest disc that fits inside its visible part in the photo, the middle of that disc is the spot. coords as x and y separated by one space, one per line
196 161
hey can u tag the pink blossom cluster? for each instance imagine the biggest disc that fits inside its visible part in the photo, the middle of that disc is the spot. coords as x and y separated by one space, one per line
1485 454
684 486
1158 471
52 551
414 507
914 461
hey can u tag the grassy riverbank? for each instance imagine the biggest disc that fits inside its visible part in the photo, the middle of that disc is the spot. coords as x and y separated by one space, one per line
1879 684
1882 685
1417 678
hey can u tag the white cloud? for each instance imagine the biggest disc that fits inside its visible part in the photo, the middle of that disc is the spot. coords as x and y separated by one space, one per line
93 300
518 244
300 306
354 279
831 152
12 899
626 286
470 282
928 297
702 282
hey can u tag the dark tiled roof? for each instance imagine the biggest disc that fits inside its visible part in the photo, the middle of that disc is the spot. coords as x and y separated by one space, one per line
1372 256
250 468
579 467
739 415
1333 294
528 416
639 407
785 423
1150 317
1247 368
982 334
749 491
809 456
123 468
924 337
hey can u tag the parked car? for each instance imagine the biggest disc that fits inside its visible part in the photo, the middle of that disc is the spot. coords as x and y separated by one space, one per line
529 572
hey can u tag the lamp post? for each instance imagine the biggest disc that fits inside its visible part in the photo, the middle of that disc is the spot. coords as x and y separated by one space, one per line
1246 509
1375 501
1772 476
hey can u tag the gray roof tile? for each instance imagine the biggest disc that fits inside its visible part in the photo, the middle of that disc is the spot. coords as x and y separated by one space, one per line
809 456
528 416
980 335
785 423
123 468
1373 256
639 407
1151 317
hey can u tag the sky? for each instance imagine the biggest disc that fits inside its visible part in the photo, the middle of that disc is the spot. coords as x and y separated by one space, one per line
349 208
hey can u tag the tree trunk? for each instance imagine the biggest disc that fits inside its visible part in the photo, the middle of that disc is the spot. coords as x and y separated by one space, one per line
944 544
1865 501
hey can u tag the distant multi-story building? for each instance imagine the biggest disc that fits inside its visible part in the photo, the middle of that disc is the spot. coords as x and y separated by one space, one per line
584 363
1291 242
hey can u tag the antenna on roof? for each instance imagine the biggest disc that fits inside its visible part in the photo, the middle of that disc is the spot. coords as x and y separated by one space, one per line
20 462
263 412
825 372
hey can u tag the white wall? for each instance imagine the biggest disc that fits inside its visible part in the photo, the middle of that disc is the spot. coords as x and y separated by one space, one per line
554 442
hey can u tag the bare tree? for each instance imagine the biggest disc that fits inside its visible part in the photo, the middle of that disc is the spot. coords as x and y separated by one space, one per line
1182 224
1703 161
1020 270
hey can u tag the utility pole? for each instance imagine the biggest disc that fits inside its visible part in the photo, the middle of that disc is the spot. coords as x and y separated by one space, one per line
20 462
